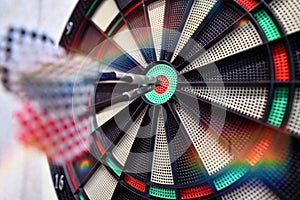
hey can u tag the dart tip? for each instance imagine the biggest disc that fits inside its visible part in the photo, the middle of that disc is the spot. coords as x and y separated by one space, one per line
157 83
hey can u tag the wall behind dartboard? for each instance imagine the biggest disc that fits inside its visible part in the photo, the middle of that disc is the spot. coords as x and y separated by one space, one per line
18 169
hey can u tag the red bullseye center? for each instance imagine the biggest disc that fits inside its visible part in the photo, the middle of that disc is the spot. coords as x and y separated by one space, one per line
163 85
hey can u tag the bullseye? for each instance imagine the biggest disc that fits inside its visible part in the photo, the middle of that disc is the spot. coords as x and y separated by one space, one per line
163 85
166 84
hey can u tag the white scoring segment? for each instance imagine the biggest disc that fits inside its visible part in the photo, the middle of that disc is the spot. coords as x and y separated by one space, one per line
214 155
287 13
122 149
242 38
197 14
126 41
161 166
105 14
101 185
156 10
250 101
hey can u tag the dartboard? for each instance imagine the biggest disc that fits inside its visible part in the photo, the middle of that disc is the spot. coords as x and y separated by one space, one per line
223 122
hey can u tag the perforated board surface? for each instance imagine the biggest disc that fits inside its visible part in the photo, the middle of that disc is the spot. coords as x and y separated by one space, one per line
229 130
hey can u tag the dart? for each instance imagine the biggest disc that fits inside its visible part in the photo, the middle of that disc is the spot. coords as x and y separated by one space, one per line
144 84
127 77
44 119
126 96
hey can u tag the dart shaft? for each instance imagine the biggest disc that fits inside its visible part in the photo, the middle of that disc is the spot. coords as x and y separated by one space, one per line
126 77
126 96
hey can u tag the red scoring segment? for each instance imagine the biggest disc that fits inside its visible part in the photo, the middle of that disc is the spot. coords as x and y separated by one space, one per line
137 4
196 192
281 63
248 4
99 146
163 85
261 146
71 176
135 183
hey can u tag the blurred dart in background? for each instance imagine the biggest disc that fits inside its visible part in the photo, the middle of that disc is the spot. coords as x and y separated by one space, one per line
54 91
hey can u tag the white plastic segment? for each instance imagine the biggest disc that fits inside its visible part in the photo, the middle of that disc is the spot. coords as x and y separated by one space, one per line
198 12
122 149
101 185
109 112
287 13
249 101
105 14
214 155
156 12
161 166
242 38
294 122
252 189
126 41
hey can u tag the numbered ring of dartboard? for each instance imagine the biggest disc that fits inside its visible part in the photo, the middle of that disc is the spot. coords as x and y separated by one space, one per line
229 127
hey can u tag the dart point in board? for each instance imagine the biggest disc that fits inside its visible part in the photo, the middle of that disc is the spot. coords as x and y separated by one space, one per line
167 83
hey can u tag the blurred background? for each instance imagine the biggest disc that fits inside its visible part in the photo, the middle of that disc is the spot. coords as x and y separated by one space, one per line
24 173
